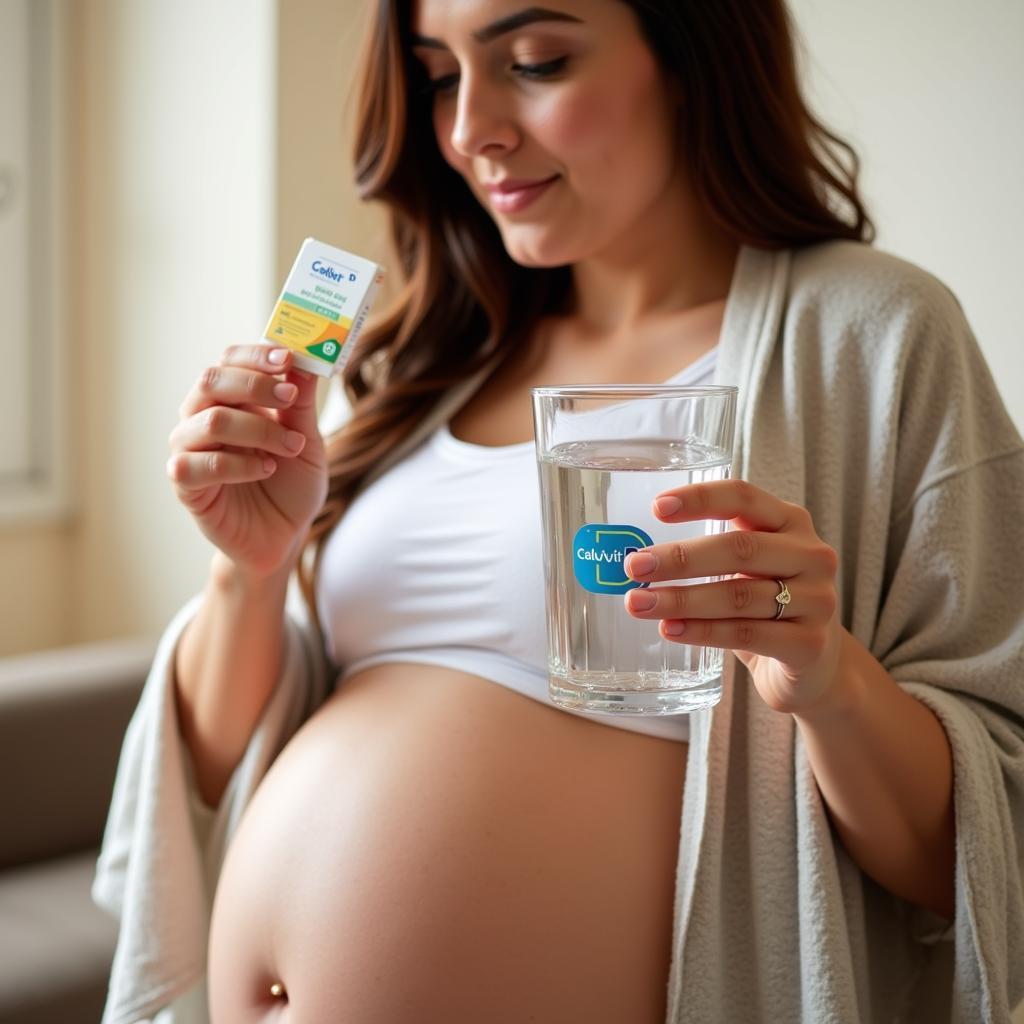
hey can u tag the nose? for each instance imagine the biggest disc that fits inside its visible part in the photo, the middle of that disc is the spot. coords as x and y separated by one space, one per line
482 121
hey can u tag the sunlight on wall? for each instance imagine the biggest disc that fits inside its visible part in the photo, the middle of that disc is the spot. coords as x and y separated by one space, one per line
931 94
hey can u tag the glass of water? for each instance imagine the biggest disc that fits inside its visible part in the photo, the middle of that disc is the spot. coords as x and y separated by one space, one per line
604 452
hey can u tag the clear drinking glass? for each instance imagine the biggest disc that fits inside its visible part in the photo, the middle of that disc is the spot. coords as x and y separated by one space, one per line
604 452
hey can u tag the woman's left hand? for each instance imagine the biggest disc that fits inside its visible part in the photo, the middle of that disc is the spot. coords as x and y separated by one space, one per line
793 657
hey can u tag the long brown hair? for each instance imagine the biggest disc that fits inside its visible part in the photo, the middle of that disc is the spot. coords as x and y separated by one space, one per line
768 171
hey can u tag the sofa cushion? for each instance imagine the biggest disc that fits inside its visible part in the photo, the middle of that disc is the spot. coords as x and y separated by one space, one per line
56 945
63 714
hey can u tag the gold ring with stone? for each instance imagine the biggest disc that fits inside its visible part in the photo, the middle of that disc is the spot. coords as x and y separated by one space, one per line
782 598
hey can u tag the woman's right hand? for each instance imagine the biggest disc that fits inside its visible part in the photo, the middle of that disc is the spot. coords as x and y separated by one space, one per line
247 459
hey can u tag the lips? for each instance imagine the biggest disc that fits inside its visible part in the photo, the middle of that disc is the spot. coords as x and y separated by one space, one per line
514 194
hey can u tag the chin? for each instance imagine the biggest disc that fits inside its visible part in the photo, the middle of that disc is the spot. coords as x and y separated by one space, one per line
539 250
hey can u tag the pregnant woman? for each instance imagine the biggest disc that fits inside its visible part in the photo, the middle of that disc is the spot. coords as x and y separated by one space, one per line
345 795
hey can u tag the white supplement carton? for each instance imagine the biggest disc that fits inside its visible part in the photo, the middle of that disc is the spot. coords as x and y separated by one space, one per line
322 306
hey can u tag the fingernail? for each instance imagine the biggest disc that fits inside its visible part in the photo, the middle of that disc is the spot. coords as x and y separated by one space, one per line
293 440
674 628
666 506
285 392
641 563
277 356
641 600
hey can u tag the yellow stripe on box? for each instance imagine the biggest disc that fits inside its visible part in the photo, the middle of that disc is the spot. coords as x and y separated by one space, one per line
300 330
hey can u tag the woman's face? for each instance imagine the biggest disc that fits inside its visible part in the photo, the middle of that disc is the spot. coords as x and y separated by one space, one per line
568 98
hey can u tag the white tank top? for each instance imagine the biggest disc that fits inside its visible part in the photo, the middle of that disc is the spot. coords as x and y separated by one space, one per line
420 569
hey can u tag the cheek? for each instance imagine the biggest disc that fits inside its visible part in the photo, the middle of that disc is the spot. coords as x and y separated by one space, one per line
572 126
607 136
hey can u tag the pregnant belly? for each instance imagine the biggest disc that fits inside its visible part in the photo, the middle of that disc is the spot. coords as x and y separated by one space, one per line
430 846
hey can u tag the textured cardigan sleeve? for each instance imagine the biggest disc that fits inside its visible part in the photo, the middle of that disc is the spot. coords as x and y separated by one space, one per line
864 398
950 630
163 847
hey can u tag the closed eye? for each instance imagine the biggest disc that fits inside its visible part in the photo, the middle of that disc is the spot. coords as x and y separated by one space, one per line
547 69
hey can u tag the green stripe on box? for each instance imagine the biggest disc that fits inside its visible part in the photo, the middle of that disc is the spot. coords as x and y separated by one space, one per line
312 307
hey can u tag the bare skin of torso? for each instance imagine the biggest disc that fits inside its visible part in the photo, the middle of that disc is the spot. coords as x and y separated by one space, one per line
434 847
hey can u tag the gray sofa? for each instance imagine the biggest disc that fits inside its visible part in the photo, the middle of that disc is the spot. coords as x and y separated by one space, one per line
63 714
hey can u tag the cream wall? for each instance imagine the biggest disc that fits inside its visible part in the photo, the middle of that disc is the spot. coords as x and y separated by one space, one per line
174 143
171 254
931 92
35 610
200 159
317 46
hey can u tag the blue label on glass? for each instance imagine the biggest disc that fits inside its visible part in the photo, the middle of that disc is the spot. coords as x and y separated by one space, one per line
599 555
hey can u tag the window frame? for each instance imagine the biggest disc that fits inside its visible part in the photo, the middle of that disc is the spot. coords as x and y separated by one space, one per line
39 489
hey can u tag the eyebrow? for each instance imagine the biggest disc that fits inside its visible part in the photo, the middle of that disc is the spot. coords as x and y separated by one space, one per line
510 23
